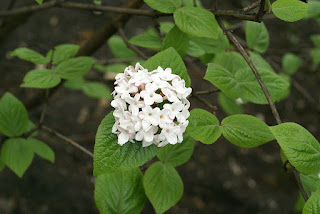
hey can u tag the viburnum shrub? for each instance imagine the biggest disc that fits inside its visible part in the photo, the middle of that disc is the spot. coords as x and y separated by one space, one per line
151 131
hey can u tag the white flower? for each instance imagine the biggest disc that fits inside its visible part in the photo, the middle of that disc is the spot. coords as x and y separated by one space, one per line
134 104
150 96
141 115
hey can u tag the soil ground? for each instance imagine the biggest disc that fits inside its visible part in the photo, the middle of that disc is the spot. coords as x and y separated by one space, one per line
219 178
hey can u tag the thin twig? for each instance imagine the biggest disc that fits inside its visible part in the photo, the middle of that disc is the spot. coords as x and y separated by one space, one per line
68 140
260 13
254 70
252 6
132 47
265 91
204 101
297 176
206 92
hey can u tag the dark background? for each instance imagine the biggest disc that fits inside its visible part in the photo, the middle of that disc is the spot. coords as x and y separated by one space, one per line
219 178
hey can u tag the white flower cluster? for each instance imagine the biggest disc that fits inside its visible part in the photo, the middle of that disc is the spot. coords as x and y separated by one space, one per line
150 106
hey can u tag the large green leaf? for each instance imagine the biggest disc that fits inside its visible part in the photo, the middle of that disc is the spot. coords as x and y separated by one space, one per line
13 116
74 67
119 49
41 149
169 58
311 182
316 40
289 10
120 192
148 39
30 55
229 106
163 186
194 49
41 78
233 76
96 90
62 53
75 84
315 54
245 131
196 21
291 63
109 156
179 153
17 155
165 27
312 206
203 126
164 6
300 147
257 36
178 40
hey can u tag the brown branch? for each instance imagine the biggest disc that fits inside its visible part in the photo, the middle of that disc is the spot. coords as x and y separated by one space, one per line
68 140
252 6
260 13
297 176
206 92
205 102
127 11
132 47
265 91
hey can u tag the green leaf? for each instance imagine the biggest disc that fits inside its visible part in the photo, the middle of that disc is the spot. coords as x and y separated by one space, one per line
74 67
63 52
196 21
113 68
119 49
257 36
149 39
203 126
163 186
13 116
41 149
312 206
289 10
316 40
96 90
234 77
212 46
229 106
313 9
315 54
300 147
311 182
169 58
179 153
76 84
39 1
109 156
245 131
120 192
165 27
178 40
41 78
17 155
291 63
29 55
164 6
